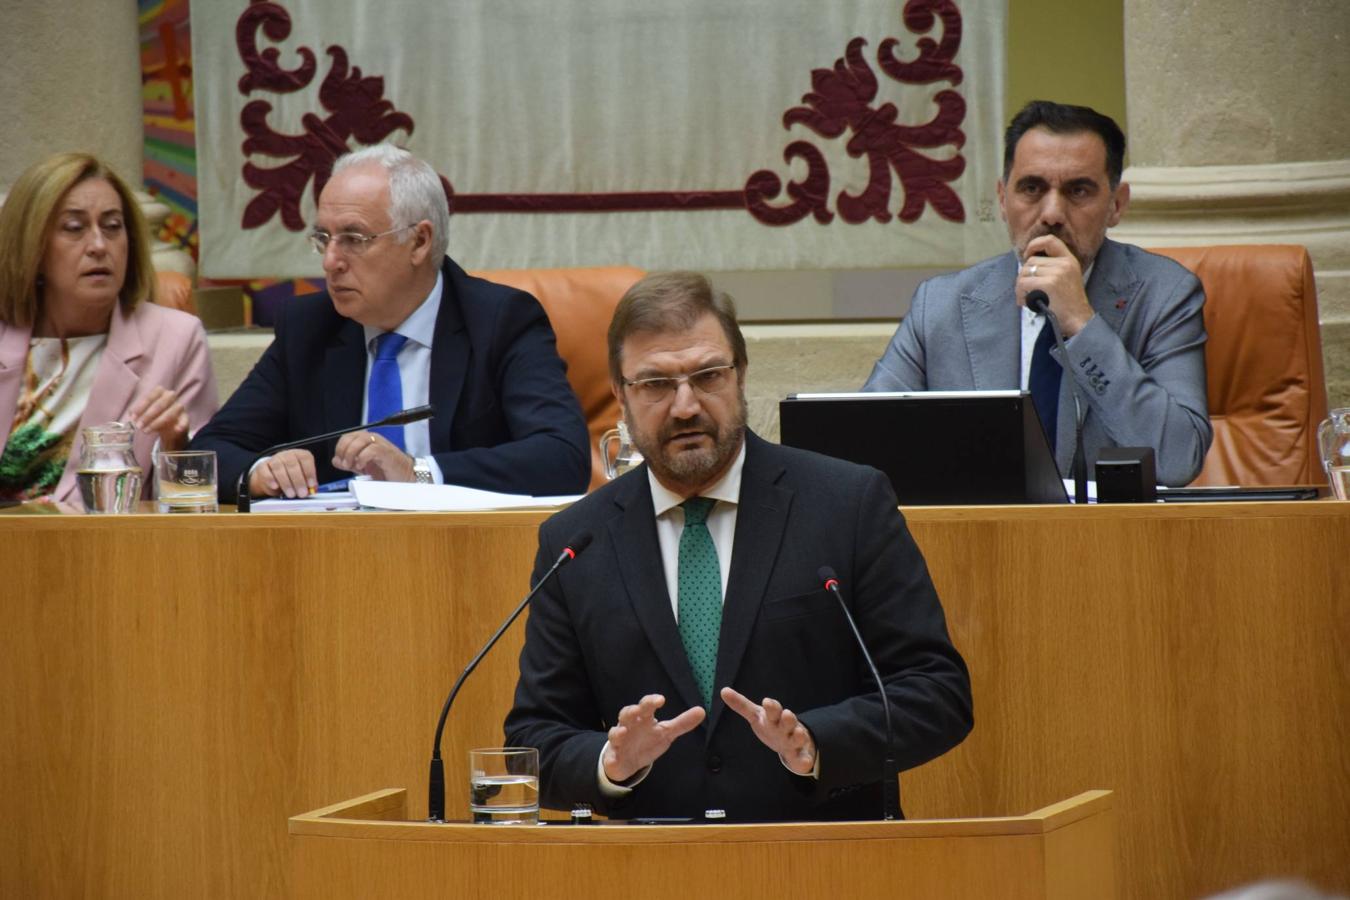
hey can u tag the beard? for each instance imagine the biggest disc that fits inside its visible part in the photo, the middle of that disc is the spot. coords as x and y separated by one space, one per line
694 467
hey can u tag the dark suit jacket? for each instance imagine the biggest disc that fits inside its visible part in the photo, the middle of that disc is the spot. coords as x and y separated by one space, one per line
506 419
1139 363
603 634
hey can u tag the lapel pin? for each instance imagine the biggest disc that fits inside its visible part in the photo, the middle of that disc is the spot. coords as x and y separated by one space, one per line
1120 304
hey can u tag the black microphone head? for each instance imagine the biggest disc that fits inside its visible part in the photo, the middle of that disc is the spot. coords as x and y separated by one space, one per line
827 575
580 542
1037 300
408 416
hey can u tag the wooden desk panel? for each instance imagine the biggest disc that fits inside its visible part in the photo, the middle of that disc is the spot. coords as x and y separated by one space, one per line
181 685
1194 666
174 688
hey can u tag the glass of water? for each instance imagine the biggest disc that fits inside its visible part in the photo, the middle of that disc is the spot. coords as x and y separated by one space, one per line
185 482
504 786
1334 437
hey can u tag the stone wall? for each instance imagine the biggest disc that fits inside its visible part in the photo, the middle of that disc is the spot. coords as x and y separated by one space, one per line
71 81
1240 133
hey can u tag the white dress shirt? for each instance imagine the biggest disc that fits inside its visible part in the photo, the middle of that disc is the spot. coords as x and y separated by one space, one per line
721 525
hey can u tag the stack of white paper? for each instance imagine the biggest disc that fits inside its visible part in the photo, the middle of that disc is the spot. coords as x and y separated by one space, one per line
444 497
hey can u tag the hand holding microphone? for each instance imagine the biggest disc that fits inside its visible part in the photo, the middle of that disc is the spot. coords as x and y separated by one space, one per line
1038 301
1051 276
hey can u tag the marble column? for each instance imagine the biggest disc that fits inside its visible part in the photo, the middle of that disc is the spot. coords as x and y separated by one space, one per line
70 79
1239 132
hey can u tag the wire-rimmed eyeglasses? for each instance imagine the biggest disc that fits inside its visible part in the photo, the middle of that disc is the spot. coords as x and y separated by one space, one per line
712 380
351 243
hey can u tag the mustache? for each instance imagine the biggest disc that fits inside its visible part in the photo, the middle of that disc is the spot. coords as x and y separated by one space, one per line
700 424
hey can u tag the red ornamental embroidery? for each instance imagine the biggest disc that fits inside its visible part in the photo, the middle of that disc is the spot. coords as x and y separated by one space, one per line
356 105
841 101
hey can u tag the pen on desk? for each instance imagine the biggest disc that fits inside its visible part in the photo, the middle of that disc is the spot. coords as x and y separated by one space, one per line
333 487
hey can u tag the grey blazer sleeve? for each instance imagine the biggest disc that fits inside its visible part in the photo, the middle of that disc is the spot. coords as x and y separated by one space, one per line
1157 399
902 366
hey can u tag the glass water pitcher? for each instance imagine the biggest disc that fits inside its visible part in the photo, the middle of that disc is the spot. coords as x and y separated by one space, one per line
109 477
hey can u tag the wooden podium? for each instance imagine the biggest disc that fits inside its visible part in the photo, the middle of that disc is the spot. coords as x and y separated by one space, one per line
366 848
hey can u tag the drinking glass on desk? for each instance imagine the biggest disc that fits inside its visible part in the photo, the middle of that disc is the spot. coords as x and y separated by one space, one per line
504 786
185 482
1333 435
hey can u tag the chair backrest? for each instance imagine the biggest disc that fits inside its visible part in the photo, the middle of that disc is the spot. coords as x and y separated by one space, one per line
1267 391
174 290
580 304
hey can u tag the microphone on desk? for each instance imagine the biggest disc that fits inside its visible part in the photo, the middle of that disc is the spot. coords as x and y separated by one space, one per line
890 784
1039 302
403 417
436 781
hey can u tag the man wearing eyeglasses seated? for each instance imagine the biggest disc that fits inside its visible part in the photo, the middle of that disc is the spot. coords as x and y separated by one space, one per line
691 658
402 325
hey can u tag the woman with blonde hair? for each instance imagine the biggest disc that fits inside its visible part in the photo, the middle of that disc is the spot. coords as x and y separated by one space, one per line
81 341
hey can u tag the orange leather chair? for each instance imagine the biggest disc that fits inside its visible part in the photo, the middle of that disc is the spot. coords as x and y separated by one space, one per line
580 303
174 290
1267 391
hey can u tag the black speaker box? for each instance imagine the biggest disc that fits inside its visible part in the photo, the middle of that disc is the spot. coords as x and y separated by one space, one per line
1126 475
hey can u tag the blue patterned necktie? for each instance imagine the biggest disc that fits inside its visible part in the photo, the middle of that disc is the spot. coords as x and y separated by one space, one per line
1043 382
700 601
384 392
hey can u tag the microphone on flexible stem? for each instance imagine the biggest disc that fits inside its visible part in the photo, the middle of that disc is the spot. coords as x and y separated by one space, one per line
890 786
1039 302
436 782
404 417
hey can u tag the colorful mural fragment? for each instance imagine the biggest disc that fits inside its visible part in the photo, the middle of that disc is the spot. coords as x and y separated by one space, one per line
170 155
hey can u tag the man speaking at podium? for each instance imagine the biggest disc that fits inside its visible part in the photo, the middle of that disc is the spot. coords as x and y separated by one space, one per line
692 659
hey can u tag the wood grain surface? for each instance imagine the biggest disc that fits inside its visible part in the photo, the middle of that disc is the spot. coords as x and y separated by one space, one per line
173 688
1064 852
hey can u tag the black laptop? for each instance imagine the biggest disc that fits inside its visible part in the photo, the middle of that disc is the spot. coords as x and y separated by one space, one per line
937 447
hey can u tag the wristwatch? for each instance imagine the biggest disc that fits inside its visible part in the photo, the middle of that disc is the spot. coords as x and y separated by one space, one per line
421 471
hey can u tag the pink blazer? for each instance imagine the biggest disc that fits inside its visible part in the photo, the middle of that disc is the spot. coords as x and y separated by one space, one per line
151 346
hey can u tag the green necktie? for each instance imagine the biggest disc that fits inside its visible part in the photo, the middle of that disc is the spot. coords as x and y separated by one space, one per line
700 586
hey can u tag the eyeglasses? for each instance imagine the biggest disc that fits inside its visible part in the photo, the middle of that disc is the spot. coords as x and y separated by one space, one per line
712 380
352 243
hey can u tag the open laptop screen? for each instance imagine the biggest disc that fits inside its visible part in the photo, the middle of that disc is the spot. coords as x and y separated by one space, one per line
937 447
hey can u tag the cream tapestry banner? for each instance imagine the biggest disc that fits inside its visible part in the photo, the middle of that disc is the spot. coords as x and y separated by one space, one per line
703 134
